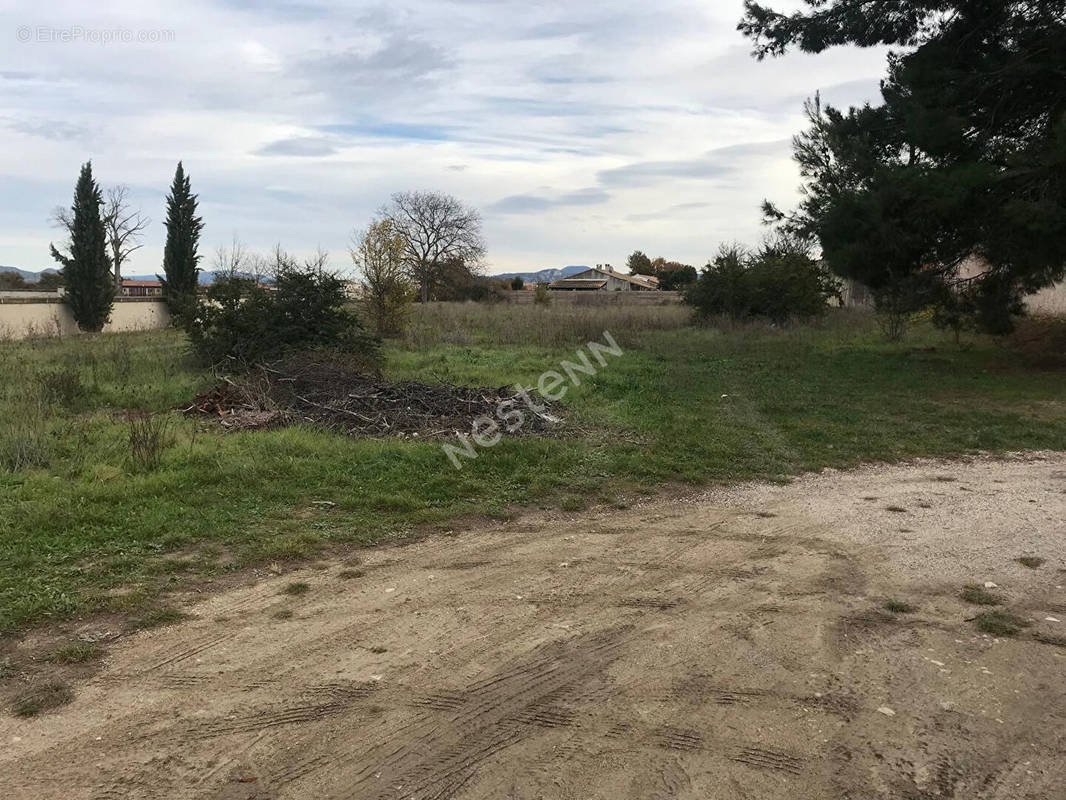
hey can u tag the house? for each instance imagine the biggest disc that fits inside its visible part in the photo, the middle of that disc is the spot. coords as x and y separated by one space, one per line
603 279
131 288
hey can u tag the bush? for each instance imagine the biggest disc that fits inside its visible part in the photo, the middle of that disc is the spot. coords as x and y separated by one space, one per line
241 322
541 295
779 281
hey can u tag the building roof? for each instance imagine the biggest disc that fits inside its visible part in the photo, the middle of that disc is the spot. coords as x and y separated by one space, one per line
151 284
639 280
578 283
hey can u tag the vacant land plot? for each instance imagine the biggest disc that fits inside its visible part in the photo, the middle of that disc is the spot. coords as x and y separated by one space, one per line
94 517
763 642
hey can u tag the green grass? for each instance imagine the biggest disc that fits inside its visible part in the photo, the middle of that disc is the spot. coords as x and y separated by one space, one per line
74 653
83 525
297 588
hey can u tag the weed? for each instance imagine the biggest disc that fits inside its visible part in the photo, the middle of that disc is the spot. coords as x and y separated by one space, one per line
899 607
347 574
42 697
156 618
1033 562
979 596
1000 623
896 509
148 439
74 653
379 649
573 502
297 588
283 613
63 387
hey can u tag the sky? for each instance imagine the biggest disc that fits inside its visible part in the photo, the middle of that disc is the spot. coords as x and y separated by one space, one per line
581 130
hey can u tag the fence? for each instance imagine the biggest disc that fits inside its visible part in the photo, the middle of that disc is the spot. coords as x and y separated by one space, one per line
26 314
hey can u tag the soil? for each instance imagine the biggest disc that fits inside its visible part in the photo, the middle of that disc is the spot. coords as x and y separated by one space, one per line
731 645
333 396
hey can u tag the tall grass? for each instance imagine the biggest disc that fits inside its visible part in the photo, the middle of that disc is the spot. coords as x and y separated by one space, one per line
551 325
58 395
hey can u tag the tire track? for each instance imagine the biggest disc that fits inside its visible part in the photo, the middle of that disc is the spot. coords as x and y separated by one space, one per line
448 744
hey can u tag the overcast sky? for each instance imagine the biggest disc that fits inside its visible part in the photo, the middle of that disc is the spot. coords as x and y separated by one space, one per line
582 131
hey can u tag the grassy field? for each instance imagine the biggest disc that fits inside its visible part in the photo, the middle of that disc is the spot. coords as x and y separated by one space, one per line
86 525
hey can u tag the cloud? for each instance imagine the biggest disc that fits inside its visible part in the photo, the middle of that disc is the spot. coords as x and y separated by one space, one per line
394 130
400 65
715 164
298 118
56 130
674 211
303 146
528 203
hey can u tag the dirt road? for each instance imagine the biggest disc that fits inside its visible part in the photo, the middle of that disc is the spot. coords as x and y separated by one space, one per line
727 646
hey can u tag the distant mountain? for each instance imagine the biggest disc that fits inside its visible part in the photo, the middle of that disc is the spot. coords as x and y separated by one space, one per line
29 277
544 275
206 278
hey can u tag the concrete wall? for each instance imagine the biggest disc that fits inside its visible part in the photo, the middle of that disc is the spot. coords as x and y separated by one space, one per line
25 314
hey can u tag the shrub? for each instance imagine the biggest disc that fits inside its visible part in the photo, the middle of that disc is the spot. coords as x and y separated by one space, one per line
517 284
541 295
779 281
241 322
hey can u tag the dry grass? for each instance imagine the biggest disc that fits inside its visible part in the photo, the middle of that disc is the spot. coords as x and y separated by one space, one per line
1050 301
555 324
1000 623
899 607
979 596
1040 341
42 697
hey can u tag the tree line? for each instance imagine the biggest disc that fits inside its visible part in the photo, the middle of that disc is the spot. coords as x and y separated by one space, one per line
420 244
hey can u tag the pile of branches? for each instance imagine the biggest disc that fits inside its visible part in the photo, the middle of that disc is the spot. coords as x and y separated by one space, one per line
303 391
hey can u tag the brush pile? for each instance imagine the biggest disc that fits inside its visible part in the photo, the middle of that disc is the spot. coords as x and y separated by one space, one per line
330 395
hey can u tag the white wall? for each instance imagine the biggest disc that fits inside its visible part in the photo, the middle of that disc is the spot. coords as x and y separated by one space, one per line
22 316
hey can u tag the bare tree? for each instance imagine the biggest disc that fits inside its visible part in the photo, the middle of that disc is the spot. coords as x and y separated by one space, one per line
319 262
436 228
231 260
124 227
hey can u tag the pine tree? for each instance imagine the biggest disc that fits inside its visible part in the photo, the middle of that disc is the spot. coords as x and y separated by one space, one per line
180 257
90 292
965 157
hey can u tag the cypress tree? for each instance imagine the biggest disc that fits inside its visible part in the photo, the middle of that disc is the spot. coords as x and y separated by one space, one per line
180 257
90 292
